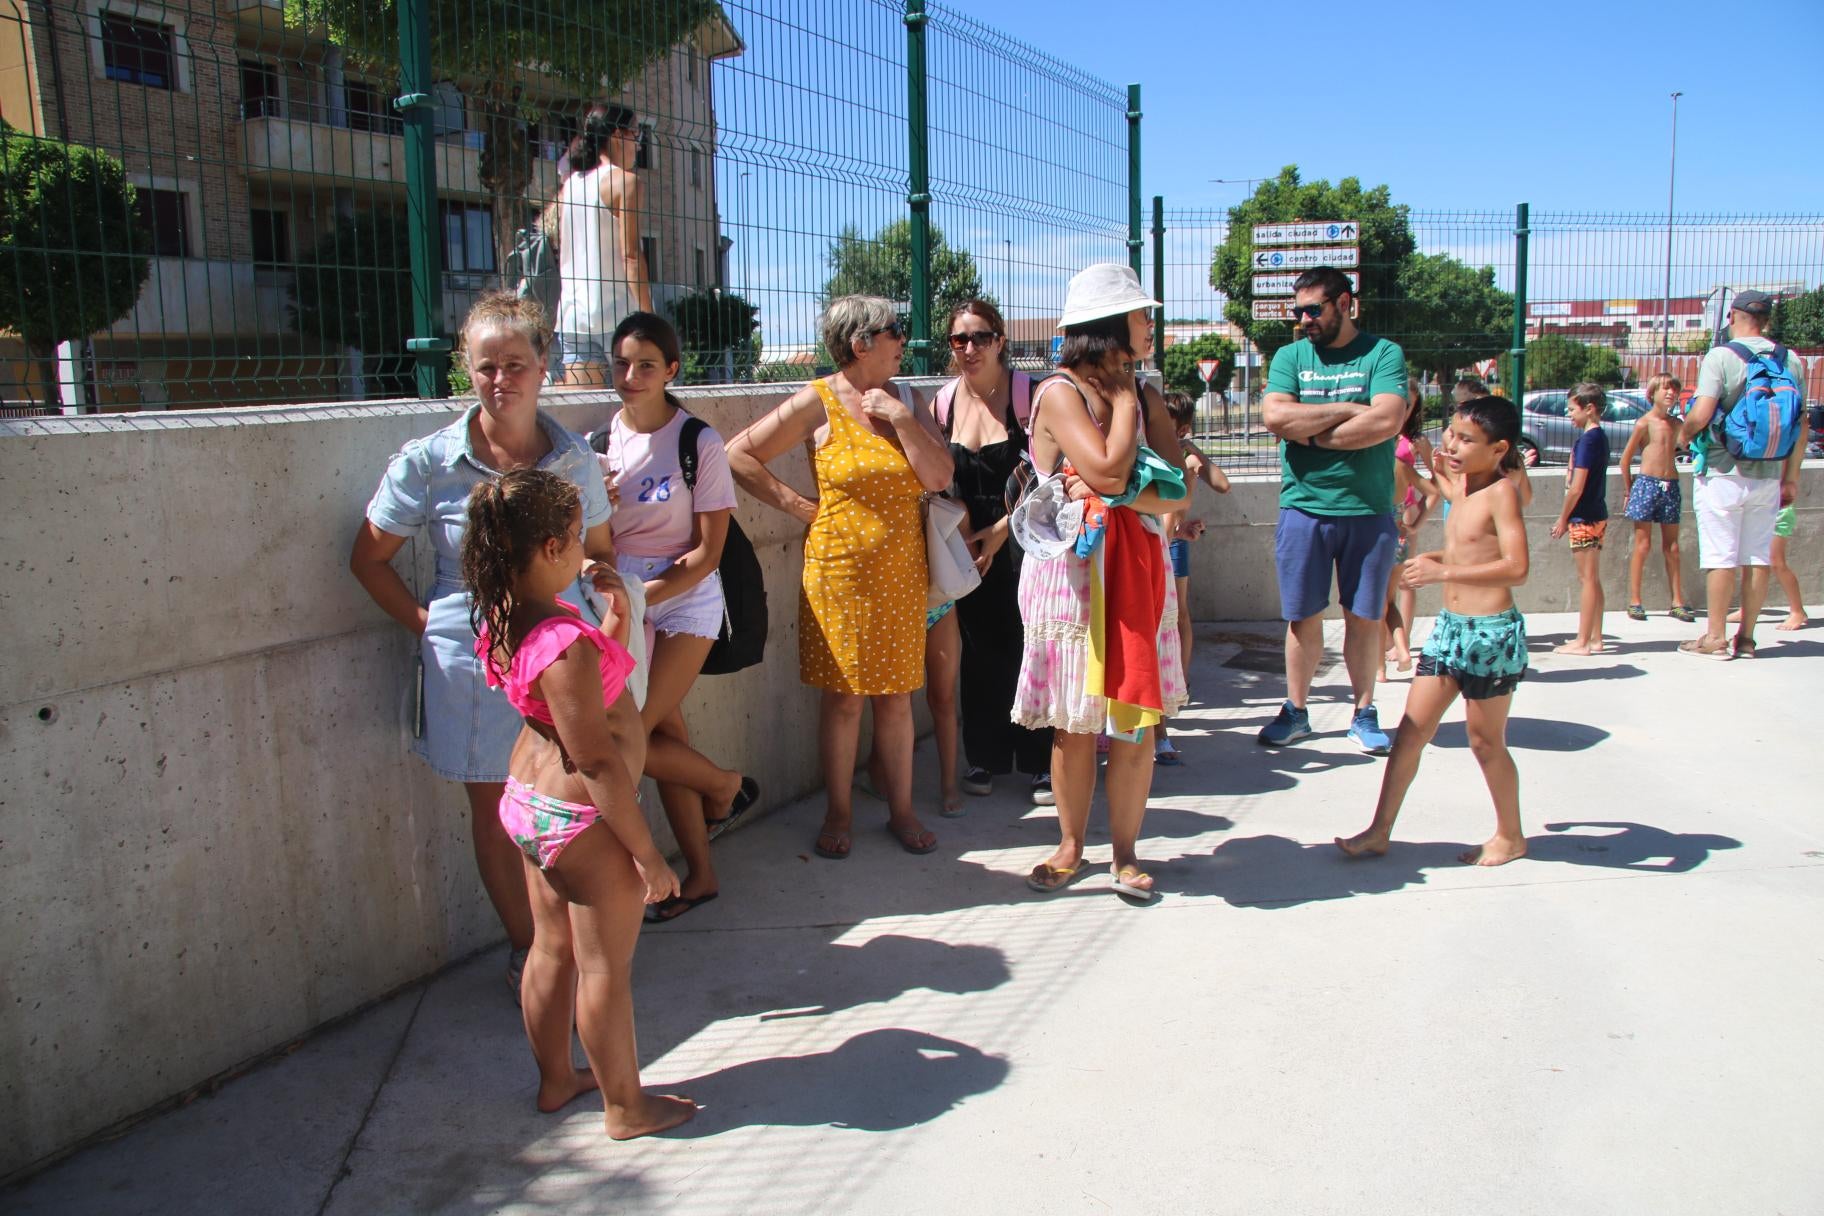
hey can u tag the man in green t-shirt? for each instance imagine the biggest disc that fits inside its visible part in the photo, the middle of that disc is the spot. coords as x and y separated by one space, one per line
1337 399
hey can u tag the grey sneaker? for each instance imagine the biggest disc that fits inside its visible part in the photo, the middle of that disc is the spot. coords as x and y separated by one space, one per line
1366 730
978 781
1290 725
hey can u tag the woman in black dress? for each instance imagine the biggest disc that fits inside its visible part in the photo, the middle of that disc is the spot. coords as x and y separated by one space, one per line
983 413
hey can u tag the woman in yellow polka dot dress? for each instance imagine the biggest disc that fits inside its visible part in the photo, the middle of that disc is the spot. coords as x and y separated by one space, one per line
861 619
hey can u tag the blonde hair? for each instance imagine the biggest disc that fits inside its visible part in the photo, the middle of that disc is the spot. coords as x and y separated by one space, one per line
516 315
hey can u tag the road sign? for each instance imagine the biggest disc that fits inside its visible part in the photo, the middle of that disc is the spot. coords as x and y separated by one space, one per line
1272 310
1281 284
1268 260
1207 368
1343 232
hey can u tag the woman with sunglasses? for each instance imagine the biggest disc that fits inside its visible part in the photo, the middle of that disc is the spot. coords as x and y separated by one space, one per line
861 615
983 414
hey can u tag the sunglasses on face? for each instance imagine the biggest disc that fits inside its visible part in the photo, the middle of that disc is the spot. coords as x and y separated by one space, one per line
894 331
980 338
1313 311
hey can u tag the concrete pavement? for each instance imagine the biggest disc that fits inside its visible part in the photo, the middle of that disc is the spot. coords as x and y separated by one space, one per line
1624 1021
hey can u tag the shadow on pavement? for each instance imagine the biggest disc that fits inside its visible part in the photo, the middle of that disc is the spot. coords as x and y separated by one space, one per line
1627 846
1531 734
1575 675
1278 872
878 1081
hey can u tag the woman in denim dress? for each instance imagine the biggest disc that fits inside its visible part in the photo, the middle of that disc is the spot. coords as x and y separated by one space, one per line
468 728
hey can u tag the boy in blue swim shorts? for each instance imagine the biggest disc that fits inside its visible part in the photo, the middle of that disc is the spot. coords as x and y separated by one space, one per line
1654 498
1478 647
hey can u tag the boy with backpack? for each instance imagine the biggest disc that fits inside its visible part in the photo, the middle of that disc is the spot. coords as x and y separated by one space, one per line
1749 409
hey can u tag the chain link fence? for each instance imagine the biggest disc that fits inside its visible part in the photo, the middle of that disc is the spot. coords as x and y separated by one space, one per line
218 202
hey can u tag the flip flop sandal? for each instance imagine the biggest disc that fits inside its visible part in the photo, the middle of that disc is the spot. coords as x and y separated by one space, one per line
1167 756
1703 648
1637 612
839 851
909 840
1744 647
675 906
743 803
1124 880
1049 880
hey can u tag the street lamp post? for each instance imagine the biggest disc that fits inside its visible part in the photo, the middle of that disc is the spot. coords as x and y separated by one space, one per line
1665 316
1007 271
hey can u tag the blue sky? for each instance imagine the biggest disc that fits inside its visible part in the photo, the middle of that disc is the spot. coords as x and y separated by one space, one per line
1457 105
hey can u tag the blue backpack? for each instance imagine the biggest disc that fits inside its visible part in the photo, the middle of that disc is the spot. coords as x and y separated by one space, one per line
1765 421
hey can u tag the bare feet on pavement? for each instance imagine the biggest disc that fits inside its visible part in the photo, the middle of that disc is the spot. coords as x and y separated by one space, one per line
1498 851
555 1097
652 1113
1577 648
1363 844
1795 620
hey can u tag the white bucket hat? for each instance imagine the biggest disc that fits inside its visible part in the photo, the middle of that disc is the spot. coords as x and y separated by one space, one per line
1107 289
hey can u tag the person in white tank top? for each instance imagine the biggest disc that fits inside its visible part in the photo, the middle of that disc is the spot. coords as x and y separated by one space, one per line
598 210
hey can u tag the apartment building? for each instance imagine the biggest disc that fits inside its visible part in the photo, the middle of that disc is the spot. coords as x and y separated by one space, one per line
247 139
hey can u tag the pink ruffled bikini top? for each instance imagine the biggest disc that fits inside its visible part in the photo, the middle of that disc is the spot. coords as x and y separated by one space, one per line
549 639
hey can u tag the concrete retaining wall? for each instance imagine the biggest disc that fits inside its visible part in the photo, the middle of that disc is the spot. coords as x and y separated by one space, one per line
212 836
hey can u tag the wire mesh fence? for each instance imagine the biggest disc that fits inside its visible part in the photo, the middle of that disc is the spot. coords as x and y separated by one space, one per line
250 201
1442 283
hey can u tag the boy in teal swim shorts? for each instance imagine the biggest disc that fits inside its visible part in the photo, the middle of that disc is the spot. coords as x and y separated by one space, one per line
1478 646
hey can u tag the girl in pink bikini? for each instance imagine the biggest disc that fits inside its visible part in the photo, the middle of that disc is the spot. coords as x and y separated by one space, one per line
570 802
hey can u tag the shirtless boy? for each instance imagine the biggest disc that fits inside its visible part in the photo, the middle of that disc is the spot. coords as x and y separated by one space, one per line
1478 646
1654 496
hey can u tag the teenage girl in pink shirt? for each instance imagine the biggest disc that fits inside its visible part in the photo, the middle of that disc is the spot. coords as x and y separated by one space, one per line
570 802
669 537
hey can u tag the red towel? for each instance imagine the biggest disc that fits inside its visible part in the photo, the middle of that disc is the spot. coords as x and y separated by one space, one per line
1133 582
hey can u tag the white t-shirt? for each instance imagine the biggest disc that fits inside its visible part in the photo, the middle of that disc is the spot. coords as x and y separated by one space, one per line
655 515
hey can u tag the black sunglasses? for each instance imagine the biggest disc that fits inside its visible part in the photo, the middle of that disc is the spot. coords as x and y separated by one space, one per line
894 329
981 337
1314 311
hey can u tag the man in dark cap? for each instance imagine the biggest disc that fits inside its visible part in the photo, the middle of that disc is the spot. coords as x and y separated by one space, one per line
1736 501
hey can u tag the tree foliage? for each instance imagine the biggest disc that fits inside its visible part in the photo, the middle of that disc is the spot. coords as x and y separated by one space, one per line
354 288
1555 361
74 253
1445 315
1179 366
1386 240
1799 321
882 266
512 59
716 328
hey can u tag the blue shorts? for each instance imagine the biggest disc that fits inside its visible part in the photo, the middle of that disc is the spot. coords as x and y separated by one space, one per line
1181 558
584 348
1652 501
1359 548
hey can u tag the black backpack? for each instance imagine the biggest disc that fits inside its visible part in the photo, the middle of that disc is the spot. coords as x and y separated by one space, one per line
742 643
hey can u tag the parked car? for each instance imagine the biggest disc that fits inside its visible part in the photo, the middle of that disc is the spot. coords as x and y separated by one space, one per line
1546 433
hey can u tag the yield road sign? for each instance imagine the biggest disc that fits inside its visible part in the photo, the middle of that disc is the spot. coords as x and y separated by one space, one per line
1268 260
1207 368
1321 232
1281 284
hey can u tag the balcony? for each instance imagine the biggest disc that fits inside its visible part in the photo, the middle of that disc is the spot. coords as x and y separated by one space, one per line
312 146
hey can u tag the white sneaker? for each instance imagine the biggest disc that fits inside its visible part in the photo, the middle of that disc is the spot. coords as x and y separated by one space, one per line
1041 791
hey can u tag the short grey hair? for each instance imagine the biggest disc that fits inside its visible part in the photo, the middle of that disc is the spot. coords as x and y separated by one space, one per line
851 318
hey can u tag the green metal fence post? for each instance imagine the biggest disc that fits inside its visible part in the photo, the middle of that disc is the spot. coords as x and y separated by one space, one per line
1517 356
919 198
429 345
1134 242
1159 277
